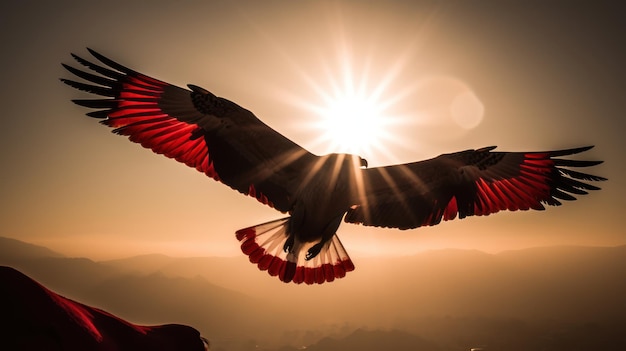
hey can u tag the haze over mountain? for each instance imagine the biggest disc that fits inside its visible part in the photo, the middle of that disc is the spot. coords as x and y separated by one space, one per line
19 250
553 297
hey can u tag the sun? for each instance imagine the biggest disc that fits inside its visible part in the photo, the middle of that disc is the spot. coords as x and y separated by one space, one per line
352 122
351 98
351 110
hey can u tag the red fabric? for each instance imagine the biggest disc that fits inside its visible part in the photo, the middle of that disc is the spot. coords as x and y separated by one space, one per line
36 318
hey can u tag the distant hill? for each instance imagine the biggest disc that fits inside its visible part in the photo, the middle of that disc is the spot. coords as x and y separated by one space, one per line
375 340
443 299
142 263
13 249
144 298
222 271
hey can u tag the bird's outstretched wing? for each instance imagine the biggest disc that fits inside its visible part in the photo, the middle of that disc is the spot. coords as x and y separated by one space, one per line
468 183
195 127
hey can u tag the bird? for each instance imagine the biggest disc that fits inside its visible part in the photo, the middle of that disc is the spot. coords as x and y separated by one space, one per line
230 144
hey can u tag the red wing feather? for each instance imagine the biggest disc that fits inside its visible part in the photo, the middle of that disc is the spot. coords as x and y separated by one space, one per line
468 183
186 125
135 112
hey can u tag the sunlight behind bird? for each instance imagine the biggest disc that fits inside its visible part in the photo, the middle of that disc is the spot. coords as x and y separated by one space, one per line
354 100
352 122
350 115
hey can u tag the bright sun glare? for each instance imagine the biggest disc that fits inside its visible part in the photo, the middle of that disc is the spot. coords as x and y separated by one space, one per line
351 115
348 104
352 122
360 102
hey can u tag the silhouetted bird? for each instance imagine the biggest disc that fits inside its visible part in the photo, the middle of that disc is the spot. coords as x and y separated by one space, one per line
230 144
35 318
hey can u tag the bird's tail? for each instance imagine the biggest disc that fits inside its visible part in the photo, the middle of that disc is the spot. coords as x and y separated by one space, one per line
264 245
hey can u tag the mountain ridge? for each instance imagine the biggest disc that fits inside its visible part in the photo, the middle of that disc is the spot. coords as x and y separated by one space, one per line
17 249
236 306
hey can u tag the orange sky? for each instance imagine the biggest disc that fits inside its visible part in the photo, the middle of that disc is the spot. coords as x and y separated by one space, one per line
546 78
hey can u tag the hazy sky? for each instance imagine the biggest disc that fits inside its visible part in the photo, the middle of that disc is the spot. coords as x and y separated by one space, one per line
544 77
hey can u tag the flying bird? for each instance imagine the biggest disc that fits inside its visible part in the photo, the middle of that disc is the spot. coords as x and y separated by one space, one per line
230 144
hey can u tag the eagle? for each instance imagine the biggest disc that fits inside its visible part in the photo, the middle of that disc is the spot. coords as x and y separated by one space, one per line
230 144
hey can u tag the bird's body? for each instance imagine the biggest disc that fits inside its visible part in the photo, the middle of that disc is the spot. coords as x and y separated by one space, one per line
230 144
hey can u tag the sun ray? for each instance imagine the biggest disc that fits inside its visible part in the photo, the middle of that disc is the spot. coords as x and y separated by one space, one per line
353 101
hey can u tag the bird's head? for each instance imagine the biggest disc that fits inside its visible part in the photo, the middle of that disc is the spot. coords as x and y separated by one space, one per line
363 162
357 161
348 161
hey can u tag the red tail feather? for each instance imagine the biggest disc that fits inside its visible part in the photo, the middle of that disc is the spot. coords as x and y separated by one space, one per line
264 243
